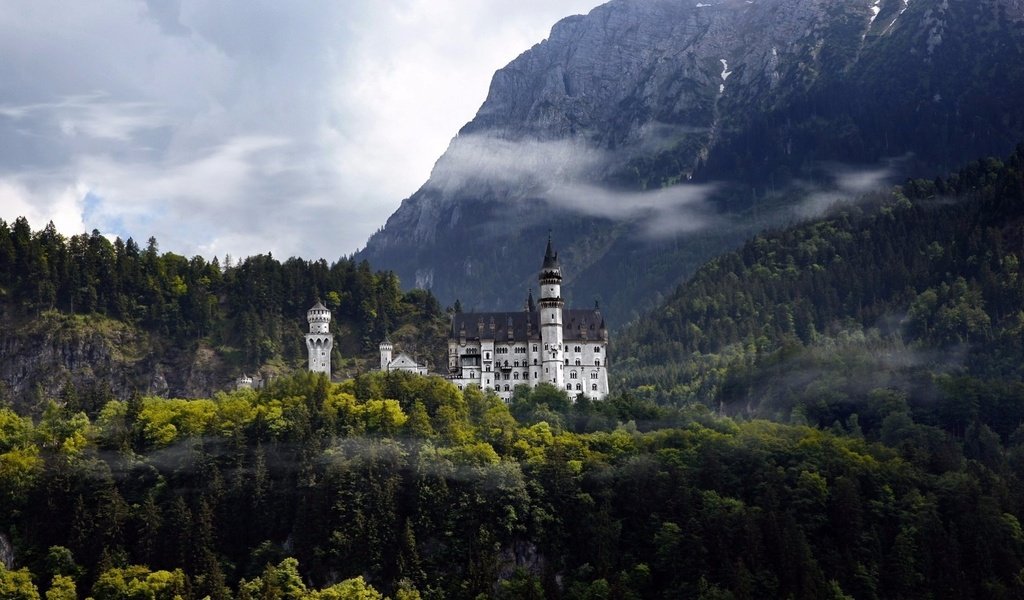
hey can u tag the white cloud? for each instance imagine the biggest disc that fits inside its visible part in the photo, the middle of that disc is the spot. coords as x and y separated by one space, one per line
242 126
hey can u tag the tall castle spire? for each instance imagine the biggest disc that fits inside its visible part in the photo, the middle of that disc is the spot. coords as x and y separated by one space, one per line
551 304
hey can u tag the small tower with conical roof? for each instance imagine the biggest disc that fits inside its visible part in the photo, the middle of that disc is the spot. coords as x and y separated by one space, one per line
551 304
319 340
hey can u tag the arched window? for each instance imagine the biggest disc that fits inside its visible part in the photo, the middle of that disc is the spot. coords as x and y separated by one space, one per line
506 387
535 361
593 375
567 361
572 375
597 362
568 386
515 376
593 386
579 386
577 362
576 349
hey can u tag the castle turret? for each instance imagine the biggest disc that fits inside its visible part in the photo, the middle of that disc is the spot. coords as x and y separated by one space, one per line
386 349
319 340
551 318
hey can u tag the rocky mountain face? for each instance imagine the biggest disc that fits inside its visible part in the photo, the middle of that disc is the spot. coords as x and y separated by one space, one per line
650 135
87 360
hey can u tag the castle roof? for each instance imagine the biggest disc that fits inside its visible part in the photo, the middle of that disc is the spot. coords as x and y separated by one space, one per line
577 324
319 306
403 360
550 256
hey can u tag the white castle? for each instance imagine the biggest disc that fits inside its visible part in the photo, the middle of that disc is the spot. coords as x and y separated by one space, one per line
500 350
319 340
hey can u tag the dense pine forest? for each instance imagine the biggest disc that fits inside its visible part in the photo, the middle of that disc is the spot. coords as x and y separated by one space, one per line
403 485
915 298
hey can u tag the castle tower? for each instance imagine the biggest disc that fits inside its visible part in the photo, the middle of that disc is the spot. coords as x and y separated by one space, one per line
319 340
386 348
551 318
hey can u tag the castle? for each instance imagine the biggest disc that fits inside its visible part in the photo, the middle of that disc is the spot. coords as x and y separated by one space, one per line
542 343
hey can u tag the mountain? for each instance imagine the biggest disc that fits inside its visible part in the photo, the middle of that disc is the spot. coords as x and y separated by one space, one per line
915 298
649 135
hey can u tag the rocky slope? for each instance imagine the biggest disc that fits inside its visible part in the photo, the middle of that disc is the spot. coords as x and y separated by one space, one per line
86 360
650 134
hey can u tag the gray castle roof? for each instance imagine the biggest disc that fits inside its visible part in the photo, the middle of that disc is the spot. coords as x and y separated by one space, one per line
550 257
577 324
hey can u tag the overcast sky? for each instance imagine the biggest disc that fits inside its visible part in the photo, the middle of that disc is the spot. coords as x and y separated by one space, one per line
242 126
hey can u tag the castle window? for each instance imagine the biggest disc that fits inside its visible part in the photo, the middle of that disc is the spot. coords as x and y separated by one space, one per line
487 355
515 376
506 387
567 361
577 362
567 348
535 361
568 386
545 347
576 349
579 386
534 375
597 362
572 375
593 375
597 349
593 386
535 347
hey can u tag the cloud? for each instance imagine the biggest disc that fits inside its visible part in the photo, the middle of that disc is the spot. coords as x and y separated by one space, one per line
844 184
242 127
562 174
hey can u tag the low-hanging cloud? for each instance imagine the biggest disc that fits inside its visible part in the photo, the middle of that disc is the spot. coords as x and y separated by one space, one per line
846 184
563 173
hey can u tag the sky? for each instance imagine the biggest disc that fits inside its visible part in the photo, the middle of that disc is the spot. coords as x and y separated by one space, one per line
241 127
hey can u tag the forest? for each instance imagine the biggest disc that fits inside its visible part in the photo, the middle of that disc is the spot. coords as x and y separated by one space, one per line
401 485
913 296
250 313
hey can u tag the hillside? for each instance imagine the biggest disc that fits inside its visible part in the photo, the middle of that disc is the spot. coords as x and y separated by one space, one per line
652 135
400 484
88 320
914 296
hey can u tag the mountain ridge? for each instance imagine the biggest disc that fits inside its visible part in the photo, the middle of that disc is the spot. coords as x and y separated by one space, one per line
744 99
